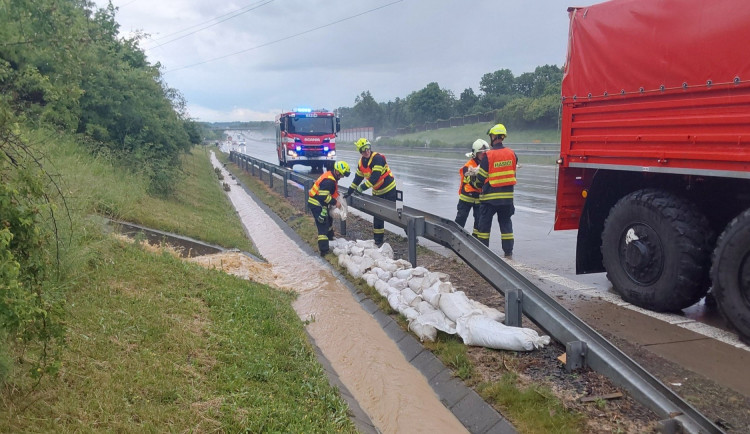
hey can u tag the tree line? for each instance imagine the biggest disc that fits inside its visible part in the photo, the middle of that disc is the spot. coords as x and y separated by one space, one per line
530 100
63 65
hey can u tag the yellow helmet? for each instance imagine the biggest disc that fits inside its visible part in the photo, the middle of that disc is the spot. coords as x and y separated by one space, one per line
362 144
498 130
342 167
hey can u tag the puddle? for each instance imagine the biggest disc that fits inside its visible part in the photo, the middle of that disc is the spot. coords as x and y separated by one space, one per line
394 394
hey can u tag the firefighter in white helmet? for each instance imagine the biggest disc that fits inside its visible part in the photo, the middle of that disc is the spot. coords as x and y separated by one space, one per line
324 194
468 194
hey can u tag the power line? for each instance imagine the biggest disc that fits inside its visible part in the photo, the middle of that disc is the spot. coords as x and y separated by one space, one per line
283 39
233 14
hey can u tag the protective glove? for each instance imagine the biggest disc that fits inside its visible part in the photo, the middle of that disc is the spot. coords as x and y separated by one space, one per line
361 188
324 212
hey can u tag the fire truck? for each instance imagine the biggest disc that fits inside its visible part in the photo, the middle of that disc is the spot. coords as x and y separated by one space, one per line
654 167
307 137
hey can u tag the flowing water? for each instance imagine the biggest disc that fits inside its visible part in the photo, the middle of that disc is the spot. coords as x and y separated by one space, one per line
394 394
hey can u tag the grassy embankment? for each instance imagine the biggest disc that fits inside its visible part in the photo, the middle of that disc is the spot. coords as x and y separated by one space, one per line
531 408
156 344
459 140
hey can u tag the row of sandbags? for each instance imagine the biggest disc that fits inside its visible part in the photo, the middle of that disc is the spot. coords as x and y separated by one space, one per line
428 300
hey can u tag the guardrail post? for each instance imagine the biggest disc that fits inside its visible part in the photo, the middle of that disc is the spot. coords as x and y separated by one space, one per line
270 177
252 169
306 184
414 227
286 183
575 355
513 307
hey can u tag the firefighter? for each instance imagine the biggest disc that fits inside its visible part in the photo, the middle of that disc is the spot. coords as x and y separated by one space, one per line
468 195
497 178
374 171
324 194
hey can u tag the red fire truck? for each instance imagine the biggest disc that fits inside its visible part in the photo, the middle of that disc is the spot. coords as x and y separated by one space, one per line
307 137
654 167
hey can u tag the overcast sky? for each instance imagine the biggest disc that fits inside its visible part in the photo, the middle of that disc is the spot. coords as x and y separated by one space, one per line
248 60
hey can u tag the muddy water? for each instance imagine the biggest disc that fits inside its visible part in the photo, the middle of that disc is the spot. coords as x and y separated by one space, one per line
391 391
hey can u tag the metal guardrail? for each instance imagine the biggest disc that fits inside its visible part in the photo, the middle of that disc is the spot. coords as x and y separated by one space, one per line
584 346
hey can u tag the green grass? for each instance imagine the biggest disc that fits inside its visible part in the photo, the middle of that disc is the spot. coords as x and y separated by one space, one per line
464 136
154 344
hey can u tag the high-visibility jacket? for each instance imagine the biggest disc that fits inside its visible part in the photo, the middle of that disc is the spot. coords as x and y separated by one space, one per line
466 191
324 191
497 176
375 173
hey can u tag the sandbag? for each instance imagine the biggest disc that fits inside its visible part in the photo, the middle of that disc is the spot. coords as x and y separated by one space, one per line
456 305
424 332
479 330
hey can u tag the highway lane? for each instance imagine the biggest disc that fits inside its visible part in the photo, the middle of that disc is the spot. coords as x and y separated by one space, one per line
430 183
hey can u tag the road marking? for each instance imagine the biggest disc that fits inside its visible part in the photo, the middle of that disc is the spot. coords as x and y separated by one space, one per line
534 210
709 331
436 190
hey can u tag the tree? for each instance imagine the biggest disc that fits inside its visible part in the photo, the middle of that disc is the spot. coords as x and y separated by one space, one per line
367 112
431 103
466 102
500 82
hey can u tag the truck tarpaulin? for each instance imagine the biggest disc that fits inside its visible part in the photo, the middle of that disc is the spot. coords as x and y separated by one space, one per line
659 49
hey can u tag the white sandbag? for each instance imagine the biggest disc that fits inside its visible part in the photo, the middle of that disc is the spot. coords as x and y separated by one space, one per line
424 307
386 250
479 330
438 320
394 299
338 251
456 305
387 265
415 284
408 296
382 274
365 244
419 272
432 296
343 260
410 313
489 312
415 302
356 251
424 332
375 254
402 264
403 274
397 283
382 287
370 278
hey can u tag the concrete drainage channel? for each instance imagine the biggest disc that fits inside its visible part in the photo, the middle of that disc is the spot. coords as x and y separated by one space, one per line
466 405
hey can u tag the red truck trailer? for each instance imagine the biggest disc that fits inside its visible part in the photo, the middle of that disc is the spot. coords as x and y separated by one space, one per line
307 137
654 167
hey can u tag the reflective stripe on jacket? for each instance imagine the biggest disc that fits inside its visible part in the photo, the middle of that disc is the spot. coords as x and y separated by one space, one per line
466 191
497 175
376 174
324 190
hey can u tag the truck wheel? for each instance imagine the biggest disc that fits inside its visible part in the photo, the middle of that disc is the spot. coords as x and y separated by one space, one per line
656 250
730 273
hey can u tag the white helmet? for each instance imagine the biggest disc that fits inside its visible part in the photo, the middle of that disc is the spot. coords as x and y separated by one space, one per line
479 145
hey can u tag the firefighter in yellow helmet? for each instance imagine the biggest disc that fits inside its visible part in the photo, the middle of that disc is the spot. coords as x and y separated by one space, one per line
497 178
374 171
324 194
468 194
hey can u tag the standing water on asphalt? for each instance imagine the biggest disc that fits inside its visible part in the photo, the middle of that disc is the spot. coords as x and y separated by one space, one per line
394 394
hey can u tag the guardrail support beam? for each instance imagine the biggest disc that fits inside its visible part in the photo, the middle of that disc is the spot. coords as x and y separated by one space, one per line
414 228
575 355
513 307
